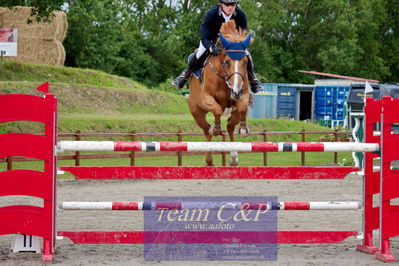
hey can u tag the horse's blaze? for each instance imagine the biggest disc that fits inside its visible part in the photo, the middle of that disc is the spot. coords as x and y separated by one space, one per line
236 87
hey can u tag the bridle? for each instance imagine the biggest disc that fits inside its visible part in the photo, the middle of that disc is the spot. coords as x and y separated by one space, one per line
226 76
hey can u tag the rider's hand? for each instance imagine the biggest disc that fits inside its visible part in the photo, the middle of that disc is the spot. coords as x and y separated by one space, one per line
215 50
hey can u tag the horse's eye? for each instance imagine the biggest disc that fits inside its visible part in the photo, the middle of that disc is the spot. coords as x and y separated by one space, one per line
226 62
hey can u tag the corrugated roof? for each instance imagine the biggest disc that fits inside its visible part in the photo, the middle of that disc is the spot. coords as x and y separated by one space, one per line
338 76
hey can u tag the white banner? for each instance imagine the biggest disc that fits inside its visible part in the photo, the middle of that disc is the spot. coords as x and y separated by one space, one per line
9 42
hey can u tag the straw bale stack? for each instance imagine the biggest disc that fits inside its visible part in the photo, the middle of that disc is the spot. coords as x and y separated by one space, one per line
61 21
1 17
37 42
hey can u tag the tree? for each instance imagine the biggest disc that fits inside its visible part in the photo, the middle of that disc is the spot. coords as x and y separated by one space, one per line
370 16
149 40
95 35
389 32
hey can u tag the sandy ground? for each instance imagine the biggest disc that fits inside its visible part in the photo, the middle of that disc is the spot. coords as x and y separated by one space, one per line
68 253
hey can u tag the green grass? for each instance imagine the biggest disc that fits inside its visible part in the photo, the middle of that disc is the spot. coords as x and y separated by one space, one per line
28 72
94 101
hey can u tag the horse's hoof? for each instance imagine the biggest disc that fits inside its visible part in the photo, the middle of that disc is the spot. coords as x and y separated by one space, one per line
215 131
233 158
243 132
233 161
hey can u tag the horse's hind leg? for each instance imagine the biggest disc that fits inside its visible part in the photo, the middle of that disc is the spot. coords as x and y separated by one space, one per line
200 118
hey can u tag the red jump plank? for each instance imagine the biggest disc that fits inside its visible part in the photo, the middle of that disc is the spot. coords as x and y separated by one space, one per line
137 237
153 172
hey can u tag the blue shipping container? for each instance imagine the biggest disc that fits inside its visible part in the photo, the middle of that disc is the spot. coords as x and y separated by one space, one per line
265 102
277 100
330 102
286 102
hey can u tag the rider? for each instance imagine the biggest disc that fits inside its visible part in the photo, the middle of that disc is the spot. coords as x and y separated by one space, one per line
214 18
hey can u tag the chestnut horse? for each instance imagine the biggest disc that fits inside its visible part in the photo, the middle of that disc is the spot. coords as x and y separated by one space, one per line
224 85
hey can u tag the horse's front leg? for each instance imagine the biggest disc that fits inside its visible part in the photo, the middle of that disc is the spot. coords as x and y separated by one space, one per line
211 105
231 124
242 109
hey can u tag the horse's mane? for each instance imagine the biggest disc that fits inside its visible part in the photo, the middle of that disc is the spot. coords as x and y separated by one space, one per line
230 32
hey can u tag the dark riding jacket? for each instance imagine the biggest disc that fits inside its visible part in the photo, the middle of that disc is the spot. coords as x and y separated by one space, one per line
213 21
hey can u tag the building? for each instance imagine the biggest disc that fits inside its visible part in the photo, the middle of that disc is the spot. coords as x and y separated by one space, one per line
324 101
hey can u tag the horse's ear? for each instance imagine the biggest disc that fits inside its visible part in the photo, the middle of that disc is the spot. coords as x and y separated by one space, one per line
247 41
225 42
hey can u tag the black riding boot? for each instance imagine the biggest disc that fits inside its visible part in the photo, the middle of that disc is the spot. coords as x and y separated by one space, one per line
180 81
256 85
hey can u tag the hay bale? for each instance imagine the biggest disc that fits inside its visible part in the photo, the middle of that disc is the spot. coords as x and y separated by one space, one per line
49 52
1 17
17 18
34 30
62 54
38 42
17 13
60 20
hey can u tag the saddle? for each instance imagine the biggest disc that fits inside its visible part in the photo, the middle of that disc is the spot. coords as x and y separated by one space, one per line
197 71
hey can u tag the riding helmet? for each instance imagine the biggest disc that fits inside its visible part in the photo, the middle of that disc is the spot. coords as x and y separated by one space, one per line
229 1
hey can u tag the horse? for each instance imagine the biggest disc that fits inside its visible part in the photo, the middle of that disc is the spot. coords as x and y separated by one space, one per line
224 84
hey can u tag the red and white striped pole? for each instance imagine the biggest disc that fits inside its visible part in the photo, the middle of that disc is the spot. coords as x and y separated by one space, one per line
73 146
143 206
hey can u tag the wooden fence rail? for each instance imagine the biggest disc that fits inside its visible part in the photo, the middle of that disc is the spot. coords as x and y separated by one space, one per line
336 136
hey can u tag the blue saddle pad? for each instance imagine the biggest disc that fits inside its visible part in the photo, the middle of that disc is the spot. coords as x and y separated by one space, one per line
197 73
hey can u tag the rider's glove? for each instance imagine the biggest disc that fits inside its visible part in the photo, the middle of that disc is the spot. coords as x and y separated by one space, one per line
215 50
